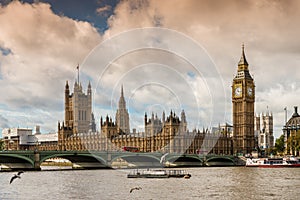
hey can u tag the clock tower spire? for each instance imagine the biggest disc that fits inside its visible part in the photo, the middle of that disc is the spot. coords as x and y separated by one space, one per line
243 99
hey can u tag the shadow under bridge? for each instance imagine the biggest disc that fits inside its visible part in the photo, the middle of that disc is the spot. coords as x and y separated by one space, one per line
138 160
183 160
219 160
13 160
79 159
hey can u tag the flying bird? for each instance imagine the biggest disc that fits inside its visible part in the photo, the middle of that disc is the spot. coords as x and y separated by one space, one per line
135 188
16 176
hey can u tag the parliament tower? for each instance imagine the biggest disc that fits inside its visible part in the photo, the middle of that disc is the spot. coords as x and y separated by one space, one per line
122 116
243 98
78 108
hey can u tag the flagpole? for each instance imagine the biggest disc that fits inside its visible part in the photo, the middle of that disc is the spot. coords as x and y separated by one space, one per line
285 120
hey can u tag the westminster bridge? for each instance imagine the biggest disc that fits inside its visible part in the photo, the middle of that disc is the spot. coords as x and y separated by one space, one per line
32 160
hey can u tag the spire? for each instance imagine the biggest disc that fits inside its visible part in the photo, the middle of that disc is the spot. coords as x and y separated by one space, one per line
122 115
122 103
67 85
89 90
122 93
145 118
183 119
243 60
92 125
77 72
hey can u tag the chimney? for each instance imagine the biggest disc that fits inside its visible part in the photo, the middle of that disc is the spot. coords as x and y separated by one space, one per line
37 130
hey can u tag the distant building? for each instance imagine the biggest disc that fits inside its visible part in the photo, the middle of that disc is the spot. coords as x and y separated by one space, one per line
24 139
14 138
168 135
264 130
225 129
153 125
122 116
291 132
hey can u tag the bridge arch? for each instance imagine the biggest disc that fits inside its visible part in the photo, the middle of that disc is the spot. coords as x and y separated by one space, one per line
142 160
17 157
73 157
220 161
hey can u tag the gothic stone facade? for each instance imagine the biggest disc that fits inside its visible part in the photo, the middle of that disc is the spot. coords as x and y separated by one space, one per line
78 108
243 98
169 140
264 130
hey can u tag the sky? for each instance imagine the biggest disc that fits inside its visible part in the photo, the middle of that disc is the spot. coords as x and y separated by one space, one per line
168 55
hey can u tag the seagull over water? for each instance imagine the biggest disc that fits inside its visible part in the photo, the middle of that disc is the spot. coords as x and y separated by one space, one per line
135 188
16 176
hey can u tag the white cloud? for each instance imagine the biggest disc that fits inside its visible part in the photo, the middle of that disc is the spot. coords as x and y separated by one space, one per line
45 49
3 121
103 10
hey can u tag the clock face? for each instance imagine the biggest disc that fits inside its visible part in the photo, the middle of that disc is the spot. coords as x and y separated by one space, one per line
238 91
250 91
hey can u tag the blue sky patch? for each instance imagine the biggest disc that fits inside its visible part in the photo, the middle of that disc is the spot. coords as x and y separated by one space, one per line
191 74
84 10
5 51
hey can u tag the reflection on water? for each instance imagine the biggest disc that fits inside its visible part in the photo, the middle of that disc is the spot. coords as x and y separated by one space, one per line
205 183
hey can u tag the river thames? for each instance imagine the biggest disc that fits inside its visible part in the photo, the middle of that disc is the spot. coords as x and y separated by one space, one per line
205 183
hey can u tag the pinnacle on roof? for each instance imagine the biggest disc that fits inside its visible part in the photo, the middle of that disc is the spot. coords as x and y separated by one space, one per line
122 93
295 112
243 60
67 85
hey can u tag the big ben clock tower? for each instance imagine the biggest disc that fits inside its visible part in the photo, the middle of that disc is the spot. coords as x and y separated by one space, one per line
243 98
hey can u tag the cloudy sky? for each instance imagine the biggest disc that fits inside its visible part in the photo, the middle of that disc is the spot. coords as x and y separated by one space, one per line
170 54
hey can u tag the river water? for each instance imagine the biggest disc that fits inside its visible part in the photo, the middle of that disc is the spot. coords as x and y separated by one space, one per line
205 183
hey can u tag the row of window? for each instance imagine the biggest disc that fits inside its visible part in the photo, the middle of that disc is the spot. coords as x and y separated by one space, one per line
82 115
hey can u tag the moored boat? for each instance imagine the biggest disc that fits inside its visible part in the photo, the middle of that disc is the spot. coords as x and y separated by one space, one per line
158 173
273 162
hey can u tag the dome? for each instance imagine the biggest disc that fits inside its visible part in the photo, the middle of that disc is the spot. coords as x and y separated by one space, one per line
295 119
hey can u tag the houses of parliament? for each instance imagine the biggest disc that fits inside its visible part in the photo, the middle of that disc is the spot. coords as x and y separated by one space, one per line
167 134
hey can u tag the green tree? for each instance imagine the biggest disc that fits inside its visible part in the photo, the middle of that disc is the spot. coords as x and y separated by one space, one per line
272 151
279 144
